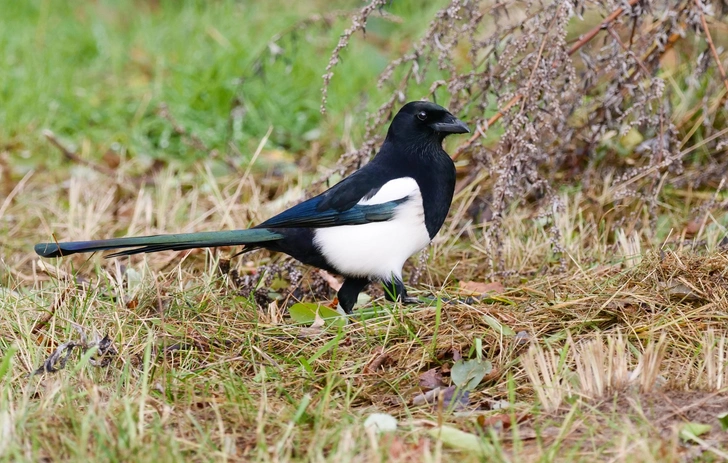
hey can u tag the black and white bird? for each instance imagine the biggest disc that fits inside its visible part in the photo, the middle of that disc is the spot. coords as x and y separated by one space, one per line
363 228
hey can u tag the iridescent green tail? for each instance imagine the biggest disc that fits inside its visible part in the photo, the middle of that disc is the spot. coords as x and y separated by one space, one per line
177 242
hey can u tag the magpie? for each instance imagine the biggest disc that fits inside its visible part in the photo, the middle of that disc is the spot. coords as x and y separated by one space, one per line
364 228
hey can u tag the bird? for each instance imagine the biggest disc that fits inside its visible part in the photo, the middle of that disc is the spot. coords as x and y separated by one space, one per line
364 228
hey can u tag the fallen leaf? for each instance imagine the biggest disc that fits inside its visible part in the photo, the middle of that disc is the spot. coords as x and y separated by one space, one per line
480 288
134 279
330 280
681 291
425 398
379 361
462 440
431 379
395 445
454 398
722 418
498 421
691 430
456 354
451 398
500 328
468 374
307 313
318 321
692 227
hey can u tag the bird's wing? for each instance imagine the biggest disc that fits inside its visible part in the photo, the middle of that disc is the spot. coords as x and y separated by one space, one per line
362 184
374 204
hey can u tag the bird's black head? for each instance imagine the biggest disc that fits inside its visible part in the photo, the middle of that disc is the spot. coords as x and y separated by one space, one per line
422 119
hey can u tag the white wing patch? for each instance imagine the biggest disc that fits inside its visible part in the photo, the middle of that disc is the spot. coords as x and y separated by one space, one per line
379 249
392 191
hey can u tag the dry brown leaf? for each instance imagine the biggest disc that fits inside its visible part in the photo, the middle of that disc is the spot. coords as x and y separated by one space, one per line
318 321
456 354
316 328
431 379
403 450
692 227
481 288
379 361
449 396
501 420
330 280
679 290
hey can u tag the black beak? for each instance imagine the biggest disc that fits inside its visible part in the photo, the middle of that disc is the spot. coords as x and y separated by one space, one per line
451 124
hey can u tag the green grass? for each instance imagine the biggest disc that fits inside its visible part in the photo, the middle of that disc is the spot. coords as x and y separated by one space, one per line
97 72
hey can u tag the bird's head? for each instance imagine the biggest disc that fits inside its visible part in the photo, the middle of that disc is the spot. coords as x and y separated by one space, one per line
422 119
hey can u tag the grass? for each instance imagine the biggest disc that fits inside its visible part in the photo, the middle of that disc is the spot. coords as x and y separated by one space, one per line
604 350
97 73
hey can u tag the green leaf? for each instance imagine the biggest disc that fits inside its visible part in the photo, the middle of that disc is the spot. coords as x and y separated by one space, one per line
461 440
503 330
722 418
691 430
305 313
468 374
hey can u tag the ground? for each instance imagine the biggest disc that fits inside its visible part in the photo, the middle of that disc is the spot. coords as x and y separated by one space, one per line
586 324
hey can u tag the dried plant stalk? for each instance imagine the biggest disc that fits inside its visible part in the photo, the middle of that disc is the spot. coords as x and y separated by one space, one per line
564 106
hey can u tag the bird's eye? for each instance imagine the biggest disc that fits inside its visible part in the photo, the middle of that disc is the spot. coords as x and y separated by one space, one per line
422 115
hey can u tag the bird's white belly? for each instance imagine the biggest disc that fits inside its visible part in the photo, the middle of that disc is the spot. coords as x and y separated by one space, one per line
377 249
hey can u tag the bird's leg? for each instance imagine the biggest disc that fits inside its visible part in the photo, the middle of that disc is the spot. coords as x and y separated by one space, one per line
349 293
395 290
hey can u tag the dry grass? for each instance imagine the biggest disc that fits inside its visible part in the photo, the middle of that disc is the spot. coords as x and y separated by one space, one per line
205 373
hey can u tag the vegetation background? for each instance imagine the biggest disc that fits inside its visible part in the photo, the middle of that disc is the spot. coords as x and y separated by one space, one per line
573 306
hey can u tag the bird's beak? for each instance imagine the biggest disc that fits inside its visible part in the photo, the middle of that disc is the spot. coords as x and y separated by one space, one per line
451 124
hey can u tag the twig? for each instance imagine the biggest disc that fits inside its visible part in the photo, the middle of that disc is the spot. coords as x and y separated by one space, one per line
58 359
539 57
603 25
43 321
358 23
124 181
709 39
73 157
480 130
627 50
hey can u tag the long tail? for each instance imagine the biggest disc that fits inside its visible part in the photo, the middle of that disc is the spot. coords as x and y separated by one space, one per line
156 243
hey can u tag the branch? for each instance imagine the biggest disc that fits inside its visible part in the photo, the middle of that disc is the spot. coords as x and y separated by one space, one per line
709 39
73 157
480 130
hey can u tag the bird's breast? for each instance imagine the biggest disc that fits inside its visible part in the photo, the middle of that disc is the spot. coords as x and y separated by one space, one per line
378 249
